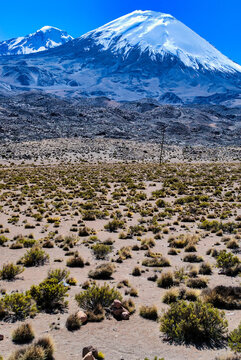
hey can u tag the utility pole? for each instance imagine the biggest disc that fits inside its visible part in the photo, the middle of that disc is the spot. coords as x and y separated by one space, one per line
163 132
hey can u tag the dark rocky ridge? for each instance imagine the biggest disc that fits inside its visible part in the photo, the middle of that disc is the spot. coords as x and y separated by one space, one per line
37 116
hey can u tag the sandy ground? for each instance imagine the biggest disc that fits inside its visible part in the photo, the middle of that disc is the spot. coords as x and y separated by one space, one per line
129 340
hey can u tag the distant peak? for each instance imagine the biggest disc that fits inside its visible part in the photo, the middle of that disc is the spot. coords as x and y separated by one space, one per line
43 39
48 28
150 13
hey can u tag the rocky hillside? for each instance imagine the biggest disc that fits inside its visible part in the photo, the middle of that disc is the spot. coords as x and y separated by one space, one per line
36 116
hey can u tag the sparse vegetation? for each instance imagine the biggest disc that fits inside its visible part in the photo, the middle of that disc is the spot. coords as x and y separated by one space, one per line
151 211
195 323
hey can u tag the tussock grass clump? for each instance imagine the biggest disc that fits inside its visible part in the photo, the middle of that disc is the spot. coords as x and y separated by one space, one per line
3 240
156 262
192 271
171 296
149 312
123 283
10 271
195 323
47 344
197 283
190 248
23 334
205 269
166 280
129 305
232 244
223 297
147 243
174 295
192 258
73 322
101 251
32 352
75 261
103 271
136 271
132 292
173 251
212 252
124 253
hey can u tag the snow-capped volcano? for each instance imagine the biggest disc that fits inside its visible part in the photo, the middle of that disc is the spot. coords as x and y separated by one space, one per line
143 54
43 39
161 34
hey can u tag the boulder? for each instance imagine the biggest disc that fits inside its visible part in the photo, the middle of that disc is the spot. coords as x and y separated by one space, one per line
125 315
88 356
1 337
82 316
117 304
90 349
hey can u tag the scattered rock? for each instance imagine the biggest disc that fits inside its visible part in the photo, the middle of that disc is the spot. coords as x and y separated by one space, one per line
90 350
118 310
88 356
82 316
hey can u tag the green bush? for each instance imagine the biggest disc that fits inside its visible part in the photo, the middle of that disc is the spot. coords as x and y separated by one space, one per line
234 341
36 256
49 295
58 274
17 306
114 225
23 334
3 240
10 271
195 323
101 251
95 295
27 243
227 260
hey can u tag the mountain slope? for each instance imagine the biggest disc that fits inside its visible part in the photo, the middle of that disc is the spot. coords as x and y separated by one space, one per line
162 34
143 54
43 39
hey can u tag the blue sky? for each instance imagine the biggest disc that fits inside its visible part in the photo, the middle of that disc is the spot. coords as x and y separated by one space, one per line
218 21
